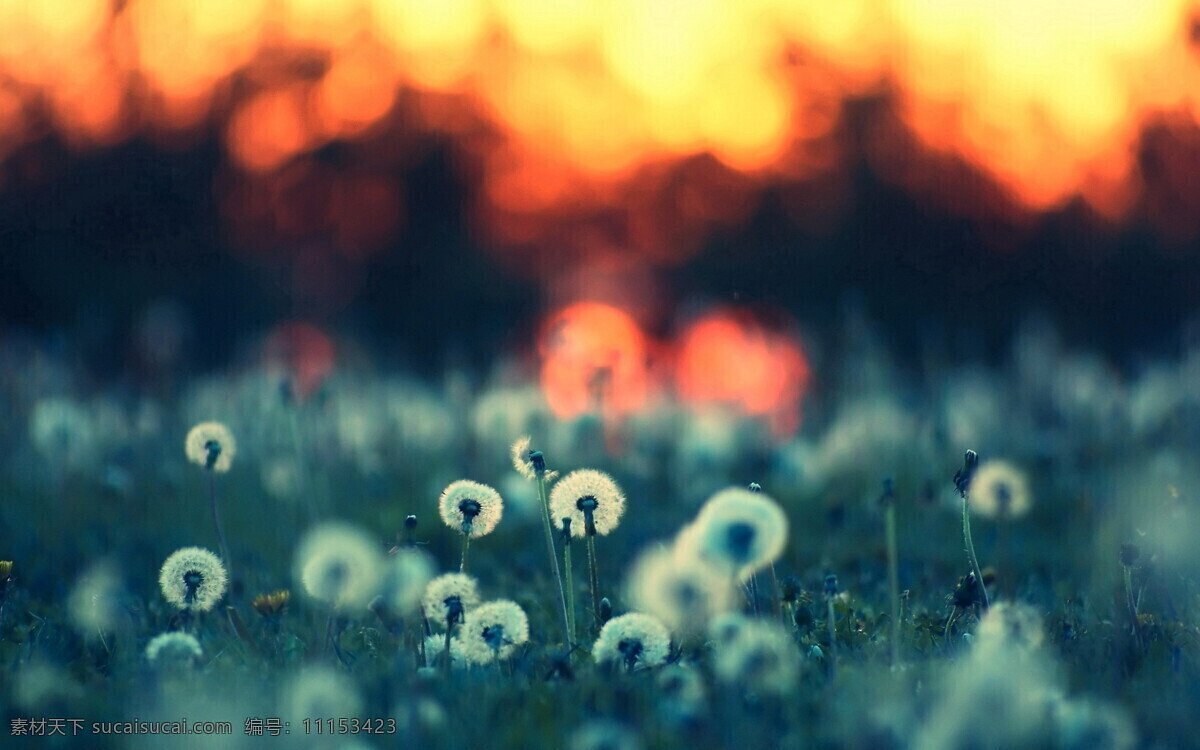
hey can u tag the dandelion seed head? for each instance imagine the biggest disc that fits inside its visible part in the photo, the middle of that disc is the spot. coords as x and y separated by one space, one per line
587 492
761 657
493 630
682 693
1010 626
339 564
635 639
726 628
211 445
449 594
407 574
521 460
63 432
470 507
435 647
193 578
94 602
999 489
737 532
174 647
681 591
1089 725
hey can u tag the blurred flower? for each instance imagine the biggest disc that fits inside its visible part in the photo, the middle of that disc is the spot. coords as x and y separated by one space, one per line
405 578
450 596
1089 725
174 647
211 445
1009 625
726 628
737 532
591 499
602 734
470 507
682 694
193 578
272 605
634 639
999 489
339 564
761 657
62 431
94 602
492 630
321 692
682 592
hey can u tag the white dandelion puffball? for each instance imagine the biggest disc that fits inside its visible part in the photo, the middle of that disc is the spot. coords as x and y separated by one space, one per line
493 630
470 507
587 492
762 657
725 629
175 646
738 532
682 592
635 640
321 691
407 575
211 445
520 457
339 564
435 651
193 578
449 594
999 489
1009 625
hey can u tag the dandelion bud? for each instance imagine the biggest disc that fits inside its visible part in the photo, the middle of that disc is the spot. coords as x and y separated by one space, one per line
789 588
803 619
831 585
962 477
6 567
605 612
539 463
889 492
410 522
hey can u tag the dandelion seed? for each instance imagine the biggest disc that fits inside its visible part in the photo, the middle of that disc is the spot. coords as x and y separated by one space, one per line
634 640
737 532
591 499
471 508
999 489
193 578
173 647
339 565
493 630
449 597
211 445
761 657
683 593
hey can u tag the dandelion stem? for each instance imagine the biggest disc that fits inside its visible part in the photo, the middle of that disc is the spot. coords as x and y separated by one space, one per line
446 650
562 597
570 580
893 578
833 655
216 516
753 589
591 548
971 551
462 568
1133 614
778 595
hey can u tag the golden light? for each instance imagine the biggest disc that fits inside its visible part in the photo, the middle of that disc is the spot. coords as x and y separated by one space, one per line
728 358
594 361
573 106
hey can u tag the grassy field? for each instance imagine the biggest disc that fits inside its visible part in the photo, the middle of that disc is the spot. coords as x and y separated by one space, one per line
1087 644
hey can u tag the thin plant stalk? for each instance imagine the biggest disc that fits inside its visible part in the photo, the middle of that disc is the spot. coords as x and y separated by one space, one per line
1133 608
462 567
216 516
570 580
833 655
446 649
562 596
971 552
893 578
778 595
754 593
591 549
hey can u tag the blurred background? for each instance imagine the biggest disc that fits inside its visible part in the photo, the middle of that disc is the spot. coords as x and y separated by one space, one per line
183 183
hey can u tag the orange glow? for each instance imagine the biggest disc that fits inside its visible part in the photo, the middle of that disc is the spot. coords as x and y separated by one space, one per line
730 359
303 352
594 361
572 106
